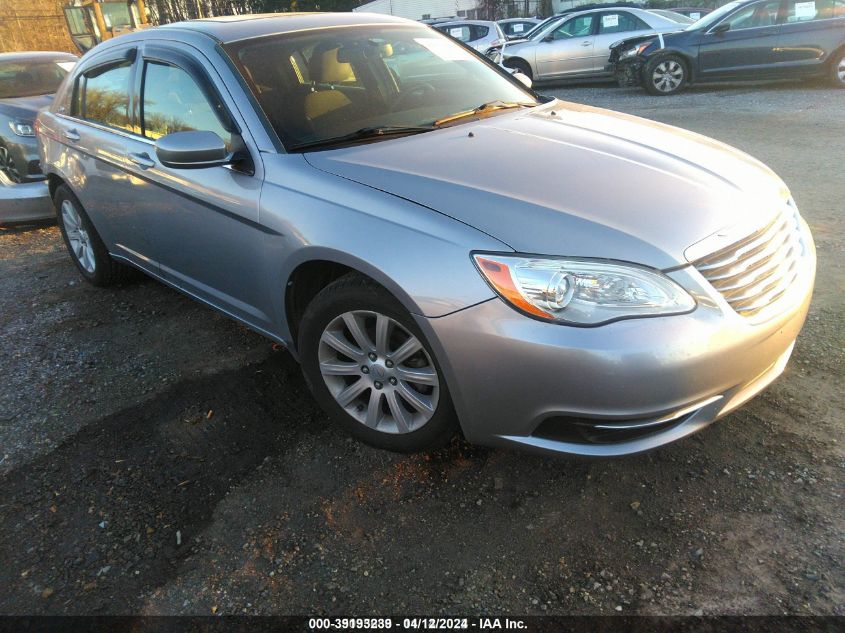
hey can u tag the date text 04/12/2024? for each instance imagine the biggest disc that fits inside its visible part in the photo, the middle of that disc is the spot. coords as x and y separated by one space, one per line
431 624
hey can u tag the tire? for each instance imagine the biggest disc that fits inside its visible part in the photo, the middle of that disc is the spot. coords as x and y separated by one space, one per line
521 66
362 388
84 245
837 69
665 75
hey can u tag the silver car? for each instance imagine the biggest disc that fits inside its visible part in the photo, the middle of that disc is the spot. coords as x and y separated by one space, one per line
478 34
27 83
578 44
614 285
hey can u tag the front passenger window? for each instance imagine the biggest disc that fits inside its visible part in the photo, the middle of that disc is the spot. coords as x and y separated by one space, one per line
755 16
582 26
173 102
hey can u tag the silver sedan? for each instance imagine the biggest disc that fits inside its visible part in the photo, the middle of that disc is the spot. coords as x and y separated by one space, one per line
578 44
612 286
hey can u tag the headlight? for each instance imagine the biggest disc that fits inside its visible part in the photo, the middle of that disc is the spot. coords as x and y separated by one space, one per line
581 291
636 50
22 128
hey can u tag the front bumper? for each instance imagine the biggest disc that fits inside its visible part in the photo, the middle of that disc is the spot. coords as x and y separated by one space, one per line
550 388
24 202
627 72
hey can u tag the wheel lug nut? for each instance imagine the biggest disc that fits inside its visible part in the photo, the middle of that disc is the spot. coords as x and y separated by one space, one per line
393 381
373 356
388 364
365 370
378 385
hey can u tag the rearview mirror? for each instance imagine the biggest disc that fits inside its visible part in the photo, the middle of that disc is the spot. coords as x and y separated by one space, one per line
525 80
724 27
192 150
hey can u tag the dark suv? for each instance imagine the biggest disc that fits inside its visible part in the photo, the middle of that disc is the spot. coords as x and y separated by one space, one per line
756 39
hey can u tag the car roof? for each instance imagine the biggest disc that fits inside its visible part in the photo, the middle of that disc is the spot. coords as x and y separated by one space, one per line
460 21
37 56
635 10
240 27
519 20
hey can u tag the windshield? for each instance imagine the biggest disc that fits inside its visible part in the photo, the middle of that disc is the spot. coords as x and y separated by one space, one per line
319 85
540 27
711 18
671 15
31 78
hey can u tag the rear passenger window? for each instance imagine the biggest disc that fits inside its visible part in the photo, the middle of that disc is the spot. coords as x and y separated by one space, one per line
802 11
105 96
461 33
466 32
476 32
620 23
174 102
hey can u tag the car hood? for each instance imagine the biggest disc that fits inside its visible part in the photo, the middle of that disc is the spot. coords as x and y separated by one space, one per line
24 107
568 179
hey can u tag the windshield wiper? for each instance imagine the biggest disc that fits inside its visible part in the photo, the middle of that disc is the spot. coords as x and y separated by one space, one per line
365 133
490 106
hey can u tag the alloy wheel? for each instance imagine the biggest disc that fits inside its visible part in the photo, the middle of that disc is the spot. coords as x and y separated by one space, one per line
840 70
7 165
668 76
378 372
78 237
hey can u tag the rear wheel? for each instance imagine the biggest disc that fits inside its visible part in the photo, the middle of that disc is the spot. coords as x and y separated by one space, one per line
837 69
520 66
665 75
370 367
86 249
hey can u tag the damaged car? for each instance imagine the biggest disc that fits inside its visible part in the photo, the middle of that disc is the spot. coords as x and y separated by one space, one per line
742 40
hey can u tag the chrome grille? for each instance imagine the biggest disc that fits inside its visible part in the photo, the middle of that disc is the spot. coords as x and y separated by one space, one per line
754 272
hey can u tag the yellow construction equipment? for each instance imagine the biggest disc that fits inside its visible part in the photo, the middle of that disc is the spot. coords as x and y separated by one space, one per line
93 21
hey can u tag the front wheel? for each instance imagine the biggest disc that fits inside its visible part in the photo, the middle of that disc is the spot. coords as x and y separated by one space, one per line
520 66
370 368
666 75
837 70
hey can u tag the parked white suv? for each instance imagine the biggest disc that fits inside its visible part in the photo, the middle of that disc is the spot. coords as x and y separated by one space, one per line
479 34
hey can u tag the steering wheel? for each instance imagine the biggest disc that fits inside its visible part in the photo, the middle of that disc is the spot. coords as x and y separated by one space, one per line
416 91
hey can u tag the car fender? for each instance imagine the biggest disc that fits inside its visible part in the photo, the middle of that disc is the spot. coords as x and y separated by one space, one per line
420 255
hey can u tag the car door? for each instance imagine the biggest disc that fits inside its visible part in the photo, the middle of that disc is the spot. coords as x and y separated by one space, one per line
613 26
205 231
811 30
747 47
97 130
568 49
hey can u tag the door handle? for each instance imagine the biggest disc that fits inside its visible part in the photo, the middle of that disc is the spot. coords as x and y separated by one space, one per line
72 135
142 160
587 43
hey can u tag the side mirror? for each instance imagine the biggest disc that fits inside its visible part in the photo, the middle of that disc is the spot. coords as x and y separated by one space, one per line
724 27
525 80
549 38
192 150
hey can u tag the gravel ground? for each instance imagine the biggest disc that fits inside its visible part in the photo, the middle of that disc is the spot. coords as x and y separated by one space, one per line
157 458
